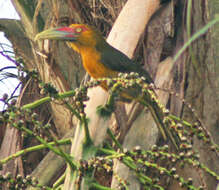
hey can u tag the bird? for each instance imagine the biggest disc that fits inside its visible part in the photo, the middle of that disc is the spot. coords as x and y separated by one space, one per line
101 60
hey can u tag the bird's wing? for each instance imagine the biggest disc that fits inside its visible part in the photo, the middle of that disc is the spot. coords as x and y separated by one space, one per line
117 61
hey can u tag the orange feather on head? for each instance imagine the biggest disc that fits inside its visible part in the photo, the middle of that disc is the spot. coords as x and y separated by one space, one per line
86 45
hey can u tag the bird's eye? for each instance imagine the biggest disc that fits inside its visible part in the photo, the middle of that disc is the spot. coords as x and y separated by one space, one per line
78 30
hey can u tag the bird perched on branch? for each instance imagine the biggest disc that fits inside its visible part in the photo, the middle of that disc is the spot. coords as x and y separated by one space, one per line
101 60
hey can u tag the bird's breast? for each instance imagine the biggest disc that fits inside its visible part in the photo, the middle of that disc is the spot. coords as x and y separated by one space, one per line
94 65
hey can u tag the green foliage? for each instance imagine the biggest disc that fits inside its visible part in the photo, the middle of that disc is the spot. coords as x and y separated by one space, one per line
150 166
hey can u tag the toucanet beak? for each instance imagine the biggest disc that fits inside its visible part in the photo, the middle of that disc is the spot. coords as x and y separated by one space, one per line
64 33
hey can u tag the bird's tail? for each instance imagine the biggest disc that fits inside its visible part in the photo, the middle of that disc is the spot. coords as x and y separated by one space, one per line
147 97
158 114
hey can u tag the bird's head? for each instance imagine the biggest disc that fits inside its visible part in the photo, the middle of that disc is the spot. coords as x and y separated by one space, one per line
77 36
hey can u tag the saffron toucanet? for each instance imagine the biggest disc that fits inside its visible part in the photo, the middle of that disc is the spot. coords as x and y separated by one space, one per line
101 60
